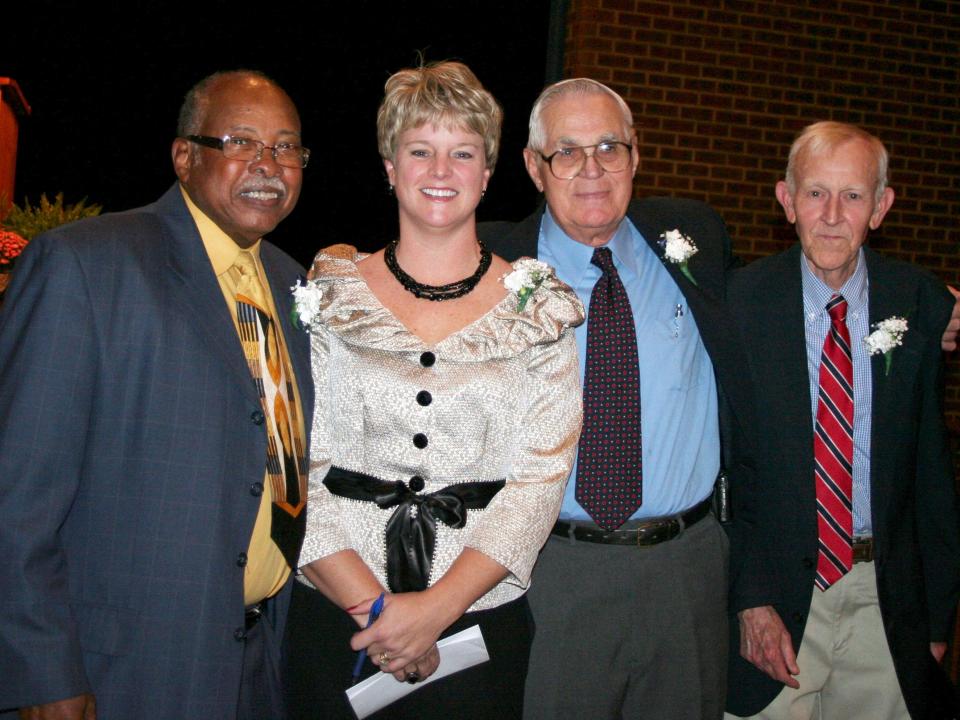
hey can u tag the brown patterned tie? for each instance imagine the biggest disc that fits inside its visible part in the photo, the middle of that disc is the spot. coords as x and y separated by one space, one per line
270 367
609 478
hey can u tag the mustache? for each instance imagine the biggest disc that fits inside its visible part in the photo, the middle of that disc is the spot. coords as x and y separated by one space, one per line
264 183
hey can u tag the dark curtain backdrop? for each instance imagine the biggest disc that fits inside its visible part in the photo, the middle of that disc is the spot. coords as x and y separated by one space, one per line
105 81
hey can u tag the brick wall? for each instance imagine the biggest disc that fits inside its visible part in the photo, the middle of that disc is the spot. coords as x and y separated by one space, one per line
720 89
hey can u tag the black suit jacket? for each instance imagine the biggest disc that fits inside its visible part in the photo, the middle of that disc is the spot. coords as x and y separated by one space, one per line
913 504
710 267
131 453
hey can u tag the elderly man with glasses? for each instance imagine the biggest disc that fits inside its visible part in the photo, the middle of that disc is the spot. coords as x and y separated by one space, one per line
629 594
153 453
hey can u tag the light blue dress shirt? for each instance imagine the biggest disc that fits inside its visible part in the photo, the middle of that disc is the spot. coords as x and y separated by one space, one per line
816 295
678 393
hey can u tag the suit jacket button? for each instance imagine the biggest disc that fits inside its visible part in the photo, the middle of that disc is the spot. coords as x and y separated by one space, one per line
420 440
257 417
798 617
256 489
807 563
242 560
239 634
416 483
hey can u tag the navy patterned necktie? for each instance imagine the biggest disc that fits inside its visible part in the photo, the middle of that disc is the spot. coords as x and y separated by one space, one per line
609 478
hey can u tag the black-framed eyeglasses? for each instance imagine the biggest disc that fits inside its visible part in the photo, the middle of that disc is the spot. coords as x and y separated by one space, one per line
566 163
237 147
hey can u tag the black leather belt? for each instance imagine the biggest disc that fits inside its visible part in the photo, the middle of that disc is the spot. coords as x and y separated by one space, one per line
253 614
862 549
648 532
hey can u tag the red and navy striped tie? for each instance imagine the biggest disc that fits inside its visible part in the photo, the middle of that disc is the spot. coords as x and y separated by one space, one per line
833 450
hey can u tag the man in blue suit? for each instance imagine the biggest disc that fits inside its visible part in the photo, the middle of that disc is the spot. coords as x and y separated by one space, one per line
151 460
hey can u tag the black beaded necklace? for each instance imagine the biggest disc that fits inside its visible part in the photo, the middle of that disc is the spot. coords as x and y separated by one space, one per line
436 292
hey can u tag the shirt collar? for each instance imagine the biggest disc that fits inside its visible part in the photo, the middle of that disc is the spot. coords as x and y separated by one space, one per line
220 247
816 293
572 258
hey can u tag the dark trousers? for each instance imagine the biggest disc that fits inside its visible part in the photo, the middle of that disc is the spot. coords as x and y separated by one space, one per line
320 661
261 691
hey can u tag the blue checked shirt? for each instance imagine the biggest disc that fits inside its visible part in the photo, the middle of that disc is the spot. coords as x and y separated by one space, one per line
816 295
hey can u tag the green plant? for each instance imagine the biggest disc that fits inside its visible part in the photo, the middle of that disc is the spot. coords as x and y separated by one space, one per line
29 221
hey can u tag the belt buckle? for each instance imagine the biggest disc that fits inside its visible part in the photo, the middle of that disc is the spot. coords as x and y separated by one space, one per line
862 549
659 531
252 615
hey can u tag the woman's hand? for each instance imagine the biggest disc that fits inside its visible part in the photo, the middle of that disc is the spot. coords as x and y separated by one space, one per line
405 636
403 640
422 668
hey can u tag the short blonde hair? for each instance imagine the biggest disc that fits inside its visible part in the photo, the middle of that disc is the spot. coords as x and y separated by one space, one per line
825 137
444 93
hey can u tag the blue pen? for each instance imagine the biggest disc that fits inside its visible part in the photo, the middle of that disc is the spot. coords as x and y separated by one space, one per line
375 611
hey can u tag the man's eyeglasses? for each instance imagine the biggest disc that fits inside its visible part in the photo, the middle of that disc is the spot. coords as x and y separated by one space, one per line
236 147
566 163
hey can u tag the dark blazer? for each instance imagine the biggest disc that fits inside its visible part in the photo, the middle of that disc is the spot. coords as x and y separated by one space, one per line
913 504
706 299
131 463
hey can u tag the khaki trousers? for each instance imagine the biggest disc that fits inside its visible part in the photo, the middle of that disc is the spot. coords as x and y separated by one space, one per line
846 670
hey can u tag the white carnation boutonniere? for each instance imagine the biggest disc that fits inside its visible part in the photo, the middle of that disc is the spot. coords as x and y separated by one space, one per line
306 303
678 249
527 276
887 335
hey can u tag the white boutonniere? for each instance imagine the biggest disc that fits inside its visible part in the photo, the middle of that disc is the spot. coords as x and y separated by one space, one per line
887 335
526 277
306 303
678 249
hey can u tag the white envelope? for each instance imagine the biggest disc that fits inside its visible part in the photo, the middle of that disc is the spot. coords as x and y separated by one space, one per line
457 652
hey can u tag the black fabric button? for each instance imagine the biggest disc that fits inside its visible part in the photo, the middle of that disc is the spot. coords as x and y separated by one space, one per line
798 617
256 489
427 359
420 440
416 483
242 560
424 398
257 417
807 563
239 634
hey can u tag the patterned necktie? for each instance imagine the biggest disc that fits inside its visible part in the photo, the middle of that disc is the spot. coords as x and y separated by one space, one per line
270 367
609 478
833 450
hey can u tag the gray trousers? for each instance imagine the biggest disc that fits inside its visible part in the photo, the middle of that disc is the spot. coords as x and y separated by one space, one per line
630 632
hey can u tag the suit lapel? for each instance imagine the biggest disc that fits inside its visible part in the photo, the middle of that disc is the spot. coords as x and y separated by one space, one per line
784 340
889 297
196 290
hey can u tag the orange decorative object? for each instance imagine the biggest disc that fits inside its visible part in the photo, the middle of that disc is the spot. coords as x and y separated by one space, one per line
13 106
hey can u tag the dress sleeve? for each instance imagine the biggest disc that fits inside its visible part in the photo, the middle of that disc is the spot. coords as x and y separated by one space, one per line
517 521
324 533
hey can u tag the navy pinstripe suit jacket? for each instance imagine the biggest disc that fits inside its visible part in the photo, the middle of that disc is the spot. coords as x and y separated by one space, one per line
128 456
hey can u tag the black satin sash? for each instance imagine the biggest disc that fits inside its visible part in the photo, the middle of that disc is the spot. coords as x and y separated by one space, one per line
410 535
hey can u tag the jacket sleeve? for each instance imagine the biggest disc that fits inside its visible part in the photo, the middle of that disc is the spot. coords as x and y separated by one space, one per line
938 519
48 370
